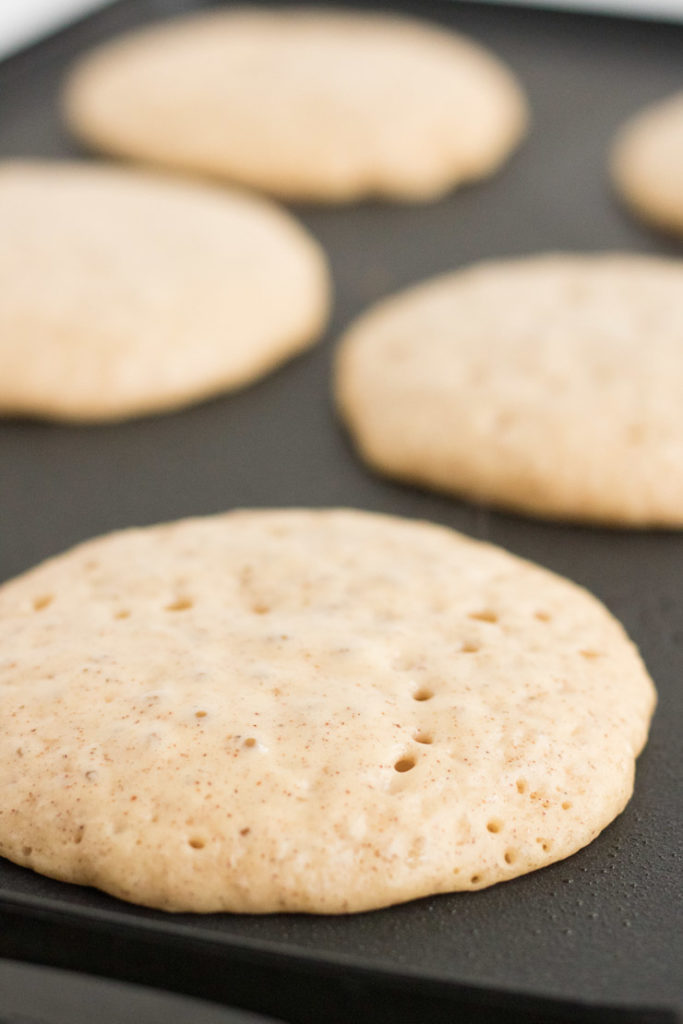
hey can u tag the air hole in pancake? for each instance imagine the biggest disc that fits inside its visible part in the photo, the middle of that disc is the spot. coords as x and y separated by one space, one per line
544 616
423 694
521 786
27 850
468 648
423 737
495 825
245 831
510 856
181 604
404 764
42 602
260 609
197 843
566 805
475 879
200 714
250 742
486 615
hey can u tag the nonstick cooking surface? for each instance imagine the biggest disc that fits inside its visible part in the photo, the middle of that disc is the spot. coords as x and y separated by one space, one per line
603 925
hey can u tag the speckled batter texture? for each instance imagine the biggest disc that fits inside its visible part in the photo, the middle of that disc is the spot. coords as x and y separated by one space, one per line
550 385
123 293
647 163
317 104
323 711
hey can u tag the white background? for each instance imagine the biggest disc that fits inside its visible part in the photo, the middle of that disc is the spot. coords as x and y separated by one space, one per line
672 9
22 21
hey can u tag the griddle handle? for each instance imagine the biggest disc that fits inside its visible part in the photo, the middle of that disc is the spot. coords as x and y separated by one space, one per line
294 988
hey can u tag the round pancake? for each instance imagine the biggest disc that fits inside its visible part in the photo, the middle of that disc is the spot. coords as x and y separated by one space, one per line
122 293
549 385
317 104
647 163
323 711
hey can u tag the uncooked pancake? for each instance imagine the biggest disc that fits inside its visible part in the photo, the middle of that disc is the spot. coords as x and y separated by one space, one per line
316 104
549 385
322 711
647 163
124 293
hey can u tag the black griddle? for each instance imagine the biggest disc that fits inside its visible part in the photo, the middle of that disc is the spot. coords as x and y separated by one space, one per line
603 927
